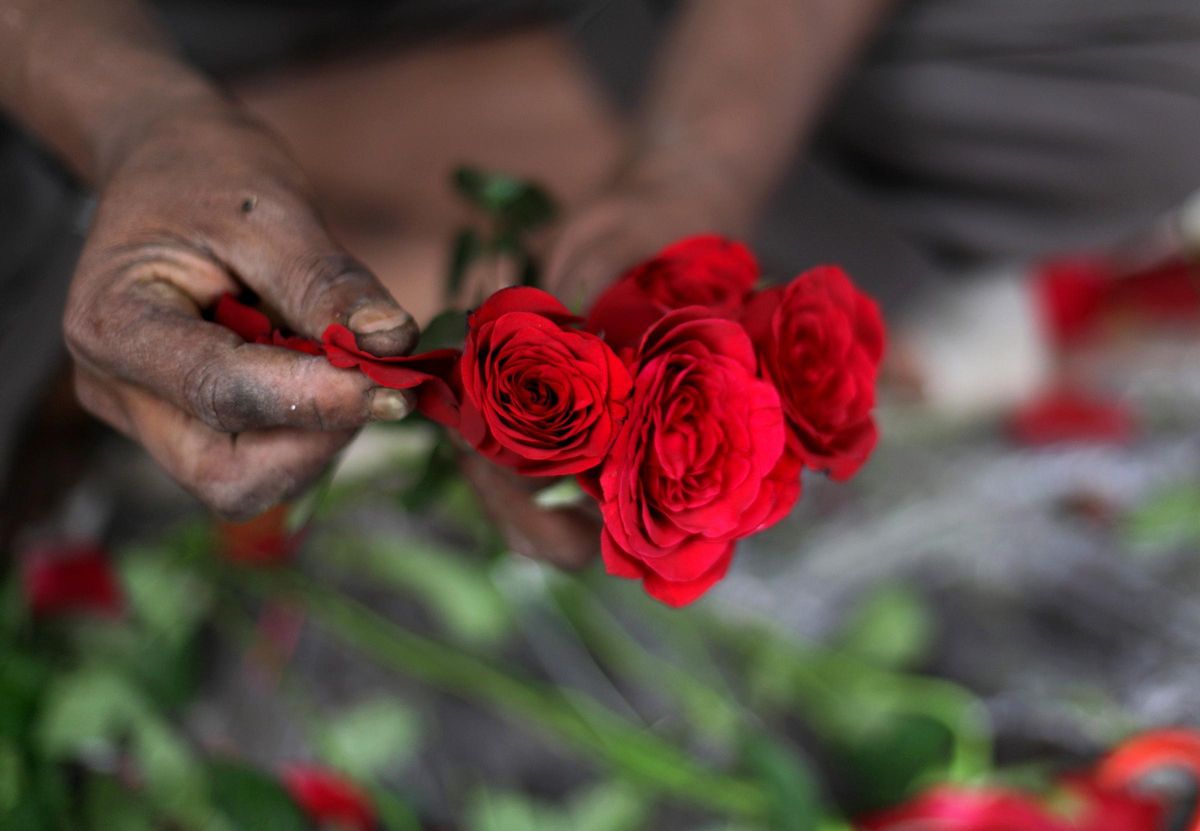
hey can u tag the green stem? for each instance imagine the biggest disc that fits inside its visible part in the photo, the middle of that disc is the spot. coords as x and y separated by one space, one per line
578 719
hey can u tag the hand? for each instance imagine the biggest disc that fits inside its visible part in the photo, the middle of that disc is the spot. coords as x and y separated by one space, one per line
204 203
567 537
632 220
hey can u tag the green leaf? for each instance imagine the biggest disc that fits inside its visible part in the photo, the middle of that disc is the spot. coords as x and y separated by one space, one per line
87 710
113 808
371 739
465 249
890 762
791 794
446 331
611 806
457 591
890 628
12 775
169 600
22 679
498 811
516 204
1168 521
252 800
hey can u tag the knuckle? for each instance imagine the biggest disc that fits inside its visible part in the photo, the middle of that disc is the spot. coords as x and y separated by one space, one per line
319 277
226 401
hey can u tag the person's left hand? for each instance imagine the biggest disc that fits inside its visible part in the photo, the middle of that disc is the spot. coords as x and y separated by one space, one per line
630 221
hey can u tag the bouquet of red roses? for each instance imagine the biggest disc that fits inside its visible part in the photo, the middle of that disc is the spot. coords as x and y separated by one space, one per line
687 401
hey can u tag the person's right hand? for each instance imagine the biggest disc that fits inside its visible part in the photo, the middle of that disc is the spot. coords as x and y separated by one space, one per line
204 203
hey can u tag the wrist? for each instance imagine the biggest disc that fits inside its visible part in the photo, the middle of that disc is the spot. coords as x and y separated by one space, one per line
132 120
711 184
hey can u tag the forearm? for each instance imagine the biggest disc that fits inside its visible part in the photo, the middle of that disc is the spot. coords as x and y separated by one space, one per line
88 76
739 84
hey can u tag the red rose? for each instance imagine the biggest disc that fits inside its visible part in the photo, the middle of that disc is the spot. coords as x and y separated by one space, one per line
699 463
539 395
70 578
705 270
329 799
992 809
820 340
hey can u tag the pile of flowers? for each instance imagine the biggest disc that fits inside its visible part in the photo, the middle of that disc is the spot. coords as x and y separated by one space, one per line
686 401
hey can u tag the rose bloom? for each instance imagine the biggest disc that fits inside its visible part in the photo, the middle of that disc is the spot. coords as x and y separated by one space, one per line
700 462
820 341
539 395
70 578
1085 807
705 270
329 799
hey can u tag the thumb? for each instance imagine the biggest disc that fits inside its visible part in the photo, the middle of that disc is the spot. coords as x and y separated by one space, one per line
283 251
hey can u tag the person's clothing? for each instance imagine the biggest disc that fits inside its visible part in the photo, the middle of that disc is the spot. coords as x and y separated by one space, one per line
973 131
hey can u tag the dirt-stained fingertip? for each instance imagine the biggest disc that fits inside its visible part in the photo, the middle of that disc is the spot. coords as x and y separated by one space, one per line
391 405
384 330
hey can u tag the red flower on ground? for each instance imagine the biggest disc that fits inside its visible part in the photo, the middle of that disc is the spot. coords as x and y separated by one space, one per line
1138 759
328 798
820 340
539 395
67 578
700 462
705 270
1069 416
1085 806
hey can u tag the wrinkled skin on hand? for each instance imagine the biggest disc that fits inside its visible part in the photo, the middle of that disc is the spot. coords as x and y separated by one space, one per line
203 203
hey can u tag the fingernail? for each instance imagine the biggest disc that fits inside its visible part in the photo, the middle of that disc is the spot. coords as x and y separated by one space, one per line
371 319
390 405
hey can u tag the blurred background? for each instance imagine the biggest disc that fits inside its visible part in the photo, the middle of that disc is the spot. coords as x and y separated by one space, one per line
1006 591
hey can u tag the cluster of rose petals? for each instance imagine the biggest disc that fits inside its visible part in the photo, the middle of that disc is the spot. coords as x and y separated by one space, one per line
700 462
430 376
705 270
820 341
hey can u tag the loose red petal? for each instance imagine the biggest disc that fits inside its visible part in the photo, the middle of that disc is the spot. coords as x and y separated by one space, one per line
431 375
248 323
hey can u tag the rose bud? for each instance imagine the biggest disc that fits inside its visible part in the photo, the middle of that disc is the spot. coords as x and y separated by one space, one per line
820 340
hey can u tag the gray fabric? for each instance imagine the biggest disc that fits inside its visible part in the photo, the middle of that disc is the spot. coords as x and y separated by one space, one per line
978 131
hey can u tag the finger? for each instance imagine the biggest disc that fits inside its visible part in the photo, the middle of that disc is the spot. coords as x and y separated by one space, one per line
282 251
565 537
238 476
484 278
151 335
